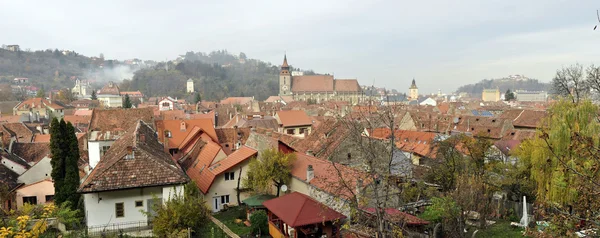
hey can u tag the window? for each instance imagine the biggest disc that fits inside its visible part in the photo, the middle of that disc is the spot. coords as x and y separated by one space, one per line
139 203
103 149
119 210
229 176
49 198
168 134
302 130
31 200
166 104
224 199
290 131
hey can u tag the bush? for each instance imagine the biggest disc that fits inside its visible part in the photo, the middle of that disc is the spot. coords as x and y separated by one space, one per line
259 222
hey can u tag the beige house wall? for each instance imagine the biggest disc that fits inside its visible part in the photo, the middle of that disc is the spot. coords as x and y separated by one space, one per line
39 190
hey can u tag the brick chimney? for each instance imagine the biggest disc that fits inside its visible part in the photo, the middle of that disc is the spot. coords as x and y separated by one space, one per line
182 126
310 173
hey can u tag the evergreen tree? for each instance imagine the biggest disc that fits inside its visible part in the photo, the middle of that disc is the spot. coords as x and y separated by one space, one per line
127 102
57 142
94 97
40 93
65 155
198 98
509 95
71 182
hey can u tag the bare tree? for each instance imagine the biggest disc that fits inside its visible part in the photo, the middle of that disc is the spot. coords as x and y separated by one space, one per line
593 80
570 82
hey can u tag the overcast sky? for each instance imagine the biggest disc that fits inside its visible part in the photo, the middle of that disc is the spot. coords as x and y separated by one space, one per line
442 45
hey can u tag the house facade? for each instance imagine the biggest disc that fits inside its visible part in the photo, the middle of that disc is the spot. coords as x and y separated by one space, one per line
118 191
40 192
109 96
490 95
294 122
40 107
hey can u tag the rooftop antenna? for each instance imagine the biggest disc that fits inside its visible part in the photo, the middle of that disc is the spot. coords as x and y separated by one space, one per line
598 16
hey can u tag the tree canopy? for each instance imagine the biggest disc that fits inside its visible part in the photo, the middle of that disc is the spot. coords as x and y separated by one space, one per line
65 155
273 168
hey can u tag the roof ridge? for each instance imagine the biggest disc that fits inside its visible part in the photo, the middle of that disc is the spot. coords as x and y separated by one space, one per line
301 207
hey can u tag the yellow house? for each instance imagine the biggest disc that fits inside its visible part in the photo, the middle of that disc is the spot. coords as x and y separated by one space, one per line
490 95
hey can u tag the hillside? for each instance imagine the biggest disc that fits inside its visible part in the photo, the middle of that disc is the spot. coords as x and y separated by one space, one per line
513 83
216 75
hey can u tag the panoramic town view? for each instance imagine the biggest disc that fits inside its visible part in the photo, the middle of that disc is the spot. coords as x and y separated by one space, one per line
345 119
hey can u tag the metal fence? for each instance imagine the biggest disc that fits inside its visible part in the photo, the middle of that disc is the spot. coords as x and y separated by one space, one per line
118 228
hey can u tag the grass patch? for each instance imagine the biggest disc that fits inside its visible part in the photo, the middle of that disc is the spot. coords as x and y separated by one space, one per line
501 229
211 230
228 218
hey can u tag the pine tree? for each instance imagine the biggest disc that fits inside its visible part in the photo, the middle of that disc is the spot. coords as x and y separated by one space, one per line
71 182
127 102
509 95
94 97
57 141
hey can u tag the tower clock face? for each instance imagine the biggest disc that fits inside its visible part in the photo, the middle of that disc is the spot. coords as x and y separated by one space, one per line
284 87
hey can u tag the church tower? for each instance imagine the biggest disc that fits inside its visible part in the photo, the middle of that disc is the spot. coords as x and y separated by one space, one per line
285 79
414 91
190 86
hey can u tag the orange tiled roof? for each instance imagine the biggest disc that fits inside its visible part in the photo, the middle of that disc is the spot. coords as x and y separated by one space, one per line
181 128
237 100
312 83
293 118
42 138
31 152
36 103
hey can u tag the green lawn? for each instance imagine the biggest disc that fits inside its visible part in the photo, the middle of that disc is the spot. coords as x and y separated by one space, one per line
228 218
501 229
211 229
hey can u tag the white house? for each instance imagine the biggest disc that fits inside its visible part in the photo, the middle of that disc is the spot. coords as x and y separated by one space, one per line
110 96
190 86
132 176
167 104
215 173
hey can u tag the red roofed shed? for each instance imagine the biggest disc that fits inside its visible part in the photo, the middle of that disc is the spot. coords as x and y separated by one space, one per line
298 214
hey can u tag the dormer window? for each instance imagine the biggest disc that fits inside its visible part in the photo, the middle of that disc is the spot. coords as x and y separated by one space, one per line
168 134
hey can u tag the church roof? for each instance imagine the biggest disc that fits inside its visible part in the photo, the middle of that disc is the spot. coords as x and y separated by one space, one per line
413 85
312 83
346 85
285 63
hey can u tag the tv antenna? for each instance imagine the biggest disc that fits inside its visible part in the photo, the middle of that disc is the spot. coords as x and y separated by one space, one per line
598 16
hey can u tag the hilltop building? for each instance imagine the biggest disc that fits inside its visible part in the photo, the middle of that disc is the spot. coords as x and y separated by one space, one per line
490 95
190 86
81 88
317 87
414 91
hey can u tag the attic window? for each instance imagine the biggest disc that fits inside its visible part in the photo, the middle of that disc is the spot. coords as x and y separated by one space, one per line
227 145
493 120
477 119
489 130
512 133
472 128
168 134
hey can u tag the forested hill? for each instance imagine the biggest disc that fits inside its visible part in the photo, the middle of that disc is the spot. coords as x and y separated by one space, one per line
216 75
504 84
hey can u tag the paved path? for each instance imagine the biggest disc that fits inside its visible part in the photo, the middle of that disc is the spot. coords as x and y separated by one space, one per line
223 227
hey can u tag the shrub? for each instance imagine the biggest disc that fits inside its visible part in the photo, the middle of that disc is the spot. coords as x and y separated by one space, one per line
259 222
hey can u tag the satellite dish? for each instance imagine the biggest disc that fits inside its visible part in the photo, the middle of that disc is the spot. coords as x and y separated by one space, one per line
455 120
284 188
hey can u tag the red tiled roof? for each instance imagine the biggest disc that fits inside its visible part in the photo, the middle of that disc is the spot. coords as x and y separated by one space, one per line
149 166
297 209
10 119
312 83
133 94
524 118
75 120
398 216
19 130
293 118
172 115
83 113
110 89
36 103
335 179
346 85
181 128
507 146
119 119
41 138
237 100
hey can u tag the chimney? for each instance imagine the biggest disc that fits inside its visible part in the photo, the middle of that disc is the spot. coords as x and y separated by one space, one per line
310 173
182 126
249 117
129 152
235 137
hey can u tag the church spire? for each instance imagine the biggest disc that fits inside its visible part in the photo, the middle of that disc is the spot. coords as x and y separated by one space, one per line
413 85
285 64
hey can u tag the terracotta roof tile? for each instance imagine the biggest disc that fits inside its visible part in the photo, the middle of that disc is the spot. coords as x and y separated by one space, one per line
19 130
179 129
119 120
147 166
230 136
293 118
312 83
346 85
83 113
237 100
297 209
31 152
326 176
524 118
44 138
417 142
110 89
39 103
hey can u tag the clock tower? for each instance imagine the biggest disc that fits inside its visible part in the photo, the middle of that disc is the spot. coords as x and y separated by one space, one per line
285 79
